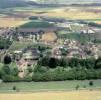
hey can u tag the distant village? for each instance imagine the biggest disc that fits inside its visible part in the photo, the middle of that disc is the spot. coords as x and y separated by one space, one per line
57 47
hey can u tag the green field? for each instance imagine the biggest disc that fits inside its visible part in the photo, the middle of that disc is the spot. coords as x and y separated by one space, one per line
37 24
20 45
75 36
48 86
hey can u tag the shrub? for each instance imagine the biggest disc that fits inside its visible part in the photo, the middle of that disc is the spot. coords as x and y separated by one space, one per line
91 83
77 87
14 88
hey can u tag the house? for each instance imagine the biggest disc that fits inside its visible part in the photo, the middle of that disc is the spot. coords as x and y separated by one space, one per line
31 54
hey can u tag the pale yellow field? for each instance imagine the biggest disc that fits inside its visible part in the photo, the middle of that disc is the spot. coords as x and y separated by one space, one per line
98 22
49 37
73 95
11 22
74 13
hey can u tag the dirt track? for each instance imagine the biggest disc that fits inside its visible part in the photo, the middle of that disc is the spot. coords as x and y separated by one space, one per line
72 95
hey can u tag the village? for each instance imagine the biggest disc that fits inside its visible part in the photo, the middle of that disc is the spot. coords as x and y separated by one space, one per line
48 41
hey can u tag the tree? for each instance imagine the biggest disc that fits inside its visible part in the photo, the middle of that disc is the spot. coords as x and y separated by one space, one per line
98 63
63 62
5 70
4 43
52 63
14 71
7 59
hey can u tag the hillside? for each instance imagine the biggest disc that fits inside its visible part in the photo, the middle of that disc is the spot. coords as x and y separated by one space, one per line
67 1
15 3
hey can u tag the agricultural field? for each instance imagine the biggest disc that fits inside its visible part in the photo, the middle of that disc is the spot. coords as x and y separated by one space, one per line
11 22
76 13
64 12
18 16
72 95
49 37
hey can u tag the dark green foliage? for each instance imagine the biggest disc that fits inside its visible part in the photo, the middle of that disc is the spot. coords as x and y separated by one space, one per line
43 61
7 59
63 62
14 71
6 70
14 88
98 63
4 43
11 78
91 83
30 70
52 63
52 69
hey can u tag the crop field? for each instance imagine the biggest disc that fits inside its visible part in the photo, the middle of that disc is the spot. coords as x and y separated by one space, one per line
11 22
75 13
14 14
65 12
72 95
49 37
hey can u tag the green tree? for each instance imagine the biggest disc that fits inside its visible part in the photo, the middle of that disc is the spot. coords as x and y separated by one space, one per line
7 59
98 63
52 63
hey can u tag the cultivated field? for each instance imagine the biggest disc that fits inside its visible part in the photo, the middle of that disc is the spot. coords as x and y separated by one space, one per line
76 13
11 17
11 22
49 37
72 95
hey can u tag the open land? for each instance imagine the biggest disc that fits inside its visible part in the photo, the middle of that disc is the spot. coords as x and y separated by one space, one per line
49 86
10 17
74 95
59 90
11 22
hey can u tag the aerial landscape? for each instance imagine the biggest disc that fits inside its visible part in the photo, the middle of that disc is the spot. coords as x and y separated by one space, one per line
50 48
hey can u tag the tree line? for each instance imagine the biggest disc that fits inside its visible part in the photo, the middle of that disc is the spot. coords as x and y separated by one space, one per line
52 69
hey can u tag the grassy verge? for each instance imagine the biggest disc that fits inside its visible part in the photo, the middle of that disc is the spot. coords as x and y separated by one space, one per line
48 86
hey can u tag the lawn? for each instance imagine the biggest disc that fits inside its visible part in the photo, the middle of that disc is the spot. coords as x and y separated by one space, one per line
48 86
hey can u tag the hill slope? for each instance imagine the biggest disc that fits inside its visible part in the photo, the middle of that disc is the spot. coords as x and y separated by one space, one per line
15 3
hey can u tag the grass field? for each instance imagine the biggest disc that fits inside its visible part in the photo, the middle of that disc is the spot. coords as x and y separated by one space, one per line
48 86
51 90
37 24
20 45
72 95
